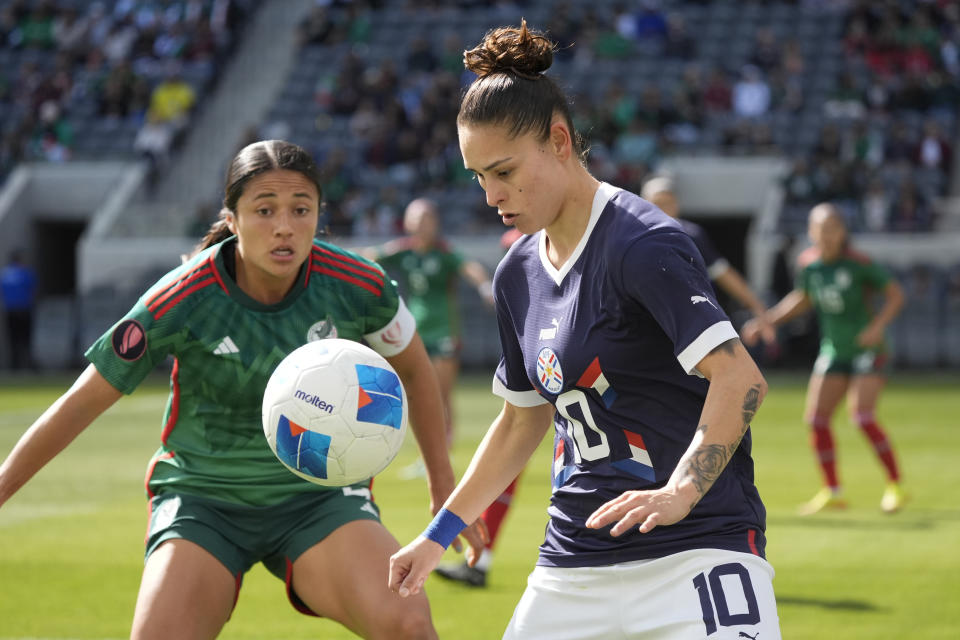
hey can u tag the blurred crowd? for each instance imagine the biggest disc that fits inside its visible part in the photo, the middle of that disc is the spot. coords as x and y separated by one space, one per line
866 113
886 151
127 69
861 95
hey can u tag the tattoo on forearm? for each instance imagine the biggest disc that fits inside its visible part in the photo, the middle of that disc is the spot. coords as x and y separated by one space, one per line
750 403
703 467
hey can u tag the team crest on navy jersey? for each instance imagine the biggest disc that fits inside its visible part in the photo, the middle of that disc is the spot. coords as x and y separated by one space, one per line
322 329
549 372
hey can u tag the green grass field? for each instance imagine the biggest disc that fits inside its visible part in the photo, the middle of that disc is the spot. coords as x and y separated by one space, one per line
71 540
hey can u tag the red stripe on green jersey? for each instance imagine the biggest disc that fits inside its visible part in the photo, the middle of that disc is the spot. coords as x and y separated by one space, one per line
346 278
359 267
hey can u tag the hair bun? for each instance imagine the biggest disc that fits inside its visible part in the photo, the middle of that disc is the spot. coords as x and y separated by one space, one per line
513 50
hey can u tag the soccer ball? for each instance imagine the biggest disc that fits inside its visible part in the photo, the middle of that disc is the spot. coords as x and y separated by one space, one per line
334 412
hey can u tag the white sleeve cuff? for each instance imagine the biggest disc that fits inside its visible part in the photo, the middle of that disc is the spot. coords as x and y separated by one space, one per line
517 398
718 268
712 336
395 335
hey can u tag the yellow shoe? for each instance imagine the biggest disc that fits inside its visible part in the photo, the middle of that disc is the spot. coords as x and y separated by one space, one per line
824 499
893 498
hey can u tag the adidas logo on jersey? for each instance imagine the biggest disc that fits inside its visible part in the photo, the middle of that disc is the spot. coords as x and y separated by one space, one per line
226 347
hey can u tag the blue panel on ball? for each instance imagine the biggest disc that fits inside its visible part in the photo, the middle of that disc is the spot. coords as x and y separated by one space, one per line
383 403
304 450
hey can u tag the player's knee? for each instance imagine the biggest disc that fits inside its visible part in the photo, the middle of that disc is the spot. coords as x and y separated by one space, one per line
863 418
408 623
817 421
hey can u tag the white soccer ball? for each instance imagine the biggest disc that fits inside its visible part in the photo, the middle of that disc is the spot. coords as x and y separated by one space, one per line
335 412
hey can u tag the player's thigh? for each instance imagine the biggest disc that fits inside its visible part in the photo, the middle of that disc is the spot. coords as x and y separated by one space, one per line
864 393
344 577
708 594
824 392
185 593
580 603
705 593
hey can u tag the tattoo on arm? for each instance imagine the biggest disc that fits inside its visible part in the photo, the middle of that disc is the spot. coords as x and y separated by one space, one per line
708 461
704 466
750 403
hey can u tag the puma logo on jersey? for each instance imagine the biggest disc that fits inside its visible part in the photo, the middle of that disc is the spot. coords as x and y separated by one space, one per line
744 634
699 299
551 333
226 347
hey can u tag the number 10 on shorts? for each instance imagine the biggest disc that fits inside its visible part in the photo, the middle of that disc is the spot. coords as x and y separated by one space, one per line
713 599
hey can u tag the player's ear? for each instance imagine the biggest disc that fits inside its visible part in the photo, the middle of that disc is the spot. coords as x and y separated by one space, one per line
230 219
560 142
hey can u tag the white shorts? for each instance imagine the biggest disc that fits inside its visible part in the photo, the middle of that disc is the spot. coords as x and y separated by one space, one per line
707 594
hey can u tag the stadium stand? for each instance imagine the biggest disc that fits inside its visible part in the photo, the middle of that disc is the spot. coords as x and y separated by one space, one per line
80 80
857 101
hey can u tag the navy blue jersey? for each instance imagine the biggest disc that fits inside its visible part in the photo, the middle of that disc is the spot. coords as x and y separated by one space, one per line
612 340
716 264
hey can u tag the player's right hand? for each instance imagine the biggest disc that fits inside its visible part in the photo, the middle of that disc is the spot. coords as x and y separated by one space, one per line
410 566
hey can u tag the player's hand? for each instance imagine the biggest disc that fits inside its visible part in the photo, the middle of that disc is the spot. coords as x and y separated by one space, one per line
477 537
751 331
646 509
870 337
410 566
768 333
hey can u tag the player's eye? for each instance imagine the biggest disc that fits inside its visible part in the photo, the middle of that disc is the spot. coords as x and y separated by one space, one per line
263 211
503 173
303 211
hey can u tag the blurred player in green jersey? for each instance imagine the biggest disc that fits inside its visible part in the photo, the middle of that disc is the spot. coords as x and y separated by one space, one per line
259 287
428 270
837 282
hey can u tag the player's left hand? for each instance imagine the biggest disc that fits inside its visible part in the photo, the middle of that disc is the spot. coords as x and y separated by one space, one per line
477 536
410 567
648 509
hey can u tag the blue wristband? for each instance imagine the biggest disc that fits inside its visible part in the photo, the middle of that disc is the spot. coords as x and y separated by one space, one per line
444 529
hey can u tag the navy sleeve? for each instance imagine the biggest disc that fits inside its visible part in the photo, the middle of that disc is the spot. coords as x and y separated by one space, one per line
664 272
511 381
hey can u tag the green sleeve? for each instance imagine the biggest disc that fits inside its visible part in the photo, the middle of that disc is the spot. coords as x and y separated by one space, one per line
132 348
455 261
876 275
381 309
801 281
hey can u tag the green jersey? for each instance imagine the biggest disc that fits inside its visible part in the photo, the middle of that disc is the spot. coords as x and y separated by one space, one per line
428 281
840 291
225 345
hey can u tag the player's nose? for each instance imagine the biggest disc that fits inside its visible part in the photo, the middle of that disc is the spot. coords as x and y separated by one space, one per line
283 223
495 195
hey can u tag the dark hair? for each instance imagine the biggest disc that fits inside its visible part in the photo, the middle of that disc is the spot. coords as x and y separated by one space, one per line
251 161
512 89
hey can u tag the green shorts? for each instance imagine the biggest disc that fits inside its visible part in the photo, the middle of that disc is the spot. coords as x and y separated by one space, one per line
239 536
861 364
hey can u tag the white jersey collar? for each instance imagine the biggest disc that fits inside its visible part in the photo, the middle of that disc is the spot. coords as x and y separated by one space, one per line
600 199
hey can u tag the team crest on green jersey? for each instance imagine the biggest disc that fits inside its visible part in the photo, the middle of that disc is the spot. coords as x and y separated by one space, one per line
322 329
